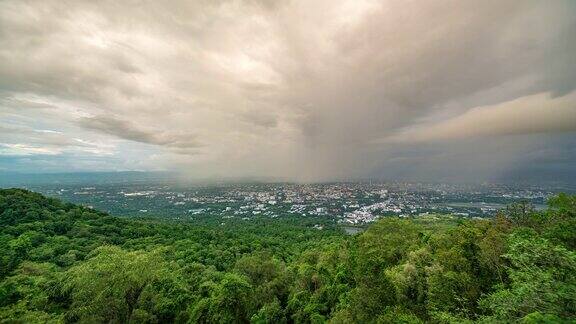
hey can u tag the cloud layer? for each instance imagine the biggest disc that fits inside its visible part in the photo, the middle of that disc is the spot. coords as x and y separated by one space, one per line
533 114
302 90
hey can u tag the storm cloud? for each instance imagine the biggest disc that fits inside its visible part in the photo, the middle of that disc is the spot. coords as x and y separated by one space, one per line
301 90
126 130
534 114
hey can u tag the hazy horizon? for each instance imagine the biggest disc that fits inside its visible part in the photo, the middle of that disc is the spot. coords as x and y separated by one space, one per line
88 178
306 91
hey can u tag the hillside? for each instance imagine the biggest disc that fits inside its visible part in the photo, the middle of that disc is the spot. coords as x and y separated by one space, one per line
61 262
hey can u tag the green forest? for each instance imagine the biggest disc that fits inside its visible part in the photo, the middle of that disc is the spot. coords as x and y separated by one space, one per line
63 263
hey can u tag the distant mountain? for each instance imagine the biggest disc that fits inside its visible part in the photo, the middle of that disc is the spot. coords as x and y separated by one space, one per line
8 179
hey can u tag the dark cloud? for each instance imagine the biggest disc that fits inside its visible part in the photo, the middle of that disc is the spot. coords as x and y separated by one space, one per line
527 115
297 89
126 130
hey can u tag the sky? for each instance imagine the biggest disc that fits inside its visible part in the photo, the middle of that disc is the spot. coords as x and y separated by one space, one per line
301 90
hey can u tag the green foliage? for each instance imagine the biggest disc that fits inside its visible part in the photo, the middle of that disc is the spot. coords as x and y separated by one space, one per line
271 312
542 279
114 286
228 302
65 263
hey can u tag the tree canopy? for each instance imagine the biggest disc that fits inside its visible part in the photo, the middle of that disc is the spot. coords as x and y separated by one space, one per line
63 263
